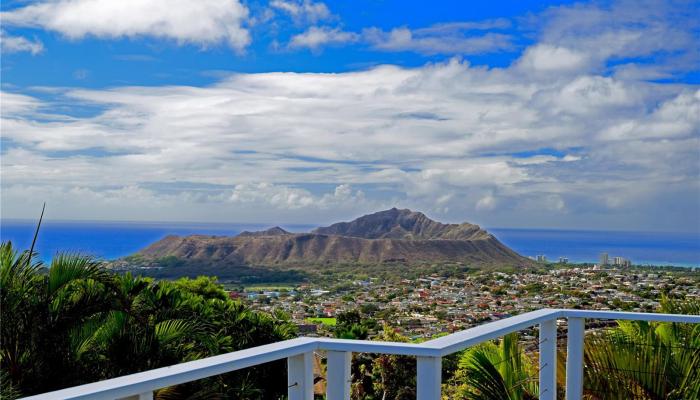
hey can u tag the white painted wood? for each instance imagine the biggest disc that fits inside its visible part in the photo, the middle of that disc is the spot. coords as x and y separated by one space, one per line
140 396
429 378
143 382
338 375
473 336
548 360
300 376
681 318
148 381
574 359
366 346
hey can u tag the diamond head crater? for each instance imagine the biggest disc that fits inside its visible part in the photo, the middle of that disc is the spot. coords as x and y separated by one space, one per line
392 241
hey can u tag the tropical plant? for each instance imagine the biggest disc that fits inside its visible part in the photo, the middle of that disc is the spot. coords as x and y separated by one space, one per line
75 322
644 360
394 376
497 371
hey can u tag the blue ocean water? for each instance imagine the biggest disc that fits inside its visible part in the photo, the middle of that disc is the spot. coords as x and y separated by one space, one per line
654 248
110 240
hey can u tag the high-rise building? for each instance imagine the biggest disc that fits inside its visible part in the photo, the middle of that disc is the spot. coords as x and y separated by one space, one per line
563 260
604 259
542 258
621 262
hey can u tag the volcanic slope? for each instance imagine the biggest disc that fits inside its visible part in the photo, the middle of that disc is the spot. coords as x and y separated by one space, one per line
385 236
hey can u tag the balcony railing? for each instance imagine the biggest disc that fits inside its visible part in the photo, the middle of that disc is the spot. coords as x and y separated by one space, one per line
299 354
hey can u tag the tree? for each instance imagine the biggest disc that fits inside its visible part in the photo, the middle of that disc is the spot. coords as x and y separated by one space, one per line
497 372
646 360
76 323
394 376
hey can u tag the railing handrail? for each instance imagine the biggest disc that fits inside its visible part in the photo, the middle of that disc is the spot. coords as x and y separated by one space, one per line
151 380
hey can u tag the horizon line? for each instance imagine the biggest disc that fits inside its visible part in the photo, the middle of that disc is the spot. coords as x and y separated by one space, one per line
3 221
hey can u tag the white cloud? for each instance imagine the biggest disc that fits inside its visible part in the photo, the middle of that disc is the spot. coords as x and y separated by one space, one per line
464 38
285 197
486 203
548 58
441 39
608 149
18 44
201 22
452 27
595 36
276 196
15 104
678 118
316 37
303 11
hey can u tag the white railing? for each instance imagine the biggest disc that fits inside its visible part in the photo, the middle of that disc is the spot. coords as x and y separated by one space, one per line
299 355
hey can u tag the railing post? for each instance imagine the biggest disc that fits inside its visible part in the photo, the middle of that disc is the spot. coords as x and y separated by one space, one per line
574 359
429 379
548 360
300 377
338 375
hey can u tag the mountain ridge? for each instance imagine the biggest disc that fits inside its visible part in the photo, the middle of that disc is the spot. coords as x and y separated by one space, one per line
390 235
401 224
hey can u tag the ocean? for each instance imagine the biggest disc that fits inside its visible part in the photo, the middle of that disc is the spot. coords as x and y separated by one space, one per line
111 240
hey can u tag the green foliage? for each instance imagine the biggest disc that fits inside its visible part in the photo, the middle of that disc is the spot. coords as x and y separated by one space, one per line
384 376
351 325
636 359
394 377
170 262
348 318
76 323
646 360
497 371
206 286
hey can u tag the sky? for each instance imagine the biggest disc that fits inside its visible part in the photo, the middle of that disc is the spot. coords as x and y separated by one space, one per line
530 114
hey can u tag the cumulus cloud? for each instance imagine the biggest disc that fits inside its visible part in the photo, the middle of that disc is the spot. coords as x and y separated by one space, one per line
437 40
303 11
548 58
316 37
445 38
363 139
18 44
487 202
276 196
616 34
558 138
202 22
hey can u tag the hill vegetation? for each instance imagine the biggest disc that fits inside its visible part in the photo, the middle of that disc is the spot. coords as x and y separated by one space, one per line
388 237
75 323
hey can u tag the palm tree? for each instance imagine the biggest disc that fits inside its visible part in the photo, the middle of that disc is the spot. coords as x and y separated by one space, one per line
39 307
645 360
75 323
497 371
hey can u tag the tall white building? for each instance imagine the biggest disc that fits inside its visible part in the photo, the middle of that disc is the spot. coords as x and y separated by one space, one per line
604 260
621 262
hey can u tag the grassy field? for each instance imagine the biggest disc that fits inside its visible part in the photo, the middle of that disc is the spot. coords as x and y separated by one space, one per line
324 321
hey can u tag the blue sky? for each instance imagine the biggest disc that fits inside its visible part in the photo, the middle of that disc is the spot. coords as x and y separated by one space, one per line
514 114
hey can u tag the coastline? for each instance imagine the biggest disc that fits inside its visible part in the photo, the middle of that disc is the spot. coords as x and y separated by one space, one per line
111 240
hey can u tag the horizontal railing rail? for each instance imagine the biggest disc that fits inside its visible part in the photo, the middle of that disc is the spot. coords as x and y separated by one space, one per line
299 355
